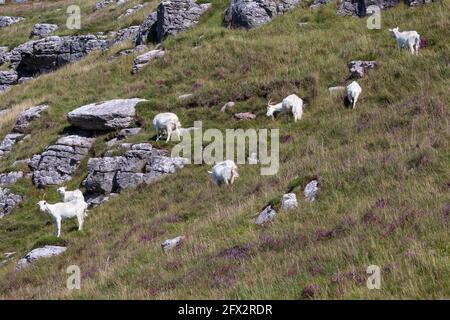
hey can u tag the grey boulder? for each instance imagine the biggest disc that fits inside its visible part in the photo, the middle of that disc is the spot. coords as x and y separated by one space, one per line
358 68
6 21
39 253
42 30
8 201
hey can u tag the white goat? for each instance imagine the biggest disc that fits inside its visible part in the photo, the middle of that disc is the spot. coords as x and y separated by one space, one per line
353 92
291 104
65 210
67 196
224 172
406 39
166 123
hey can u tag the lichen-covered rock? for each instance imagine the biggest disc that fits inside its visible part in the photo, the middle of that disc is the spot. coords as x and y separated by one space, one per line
289 201
267 215
139 165
10 178
311 190
252 13
39 253
25 117
107 115
59 162
42 30
8 77
358 68
45 55
8 201
144 59
6 21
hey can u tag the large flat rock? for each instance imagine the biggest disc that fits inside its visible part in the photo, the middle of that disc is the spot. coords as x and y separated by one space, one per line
39 253
108 115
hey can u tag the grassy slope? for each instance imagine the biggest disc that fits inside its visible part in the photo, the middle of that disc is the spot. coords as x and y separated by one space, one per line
394 146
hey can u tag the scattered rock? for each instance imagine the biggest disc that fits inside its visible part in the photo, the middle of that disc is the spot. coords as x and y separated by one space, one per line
102 4
25 118
107 115
42 30
311 190
6 21
268 214
8 201
129 33
354 8
144 59
289 201
415 3
318 3
252 13
245 116
58 162
358 68
228 105
132 10
139 165
172 243
8 77
10 178
39 253
8 142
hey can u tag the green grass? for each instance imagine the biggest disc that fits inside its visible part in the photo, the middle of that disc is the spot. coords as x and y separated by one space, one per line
394 147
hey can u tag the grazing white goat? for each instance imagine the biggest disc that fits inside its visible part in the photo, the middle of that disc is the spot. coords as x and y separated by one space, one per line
224 172
406 39
70 195
65 210
166 123
291 104
353 92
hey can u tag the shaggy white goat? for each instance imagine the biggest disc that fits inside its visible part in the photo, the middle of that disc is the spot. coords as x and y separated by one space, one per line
70 195
406 39
65 210
353 92
291 104
224 172
166 123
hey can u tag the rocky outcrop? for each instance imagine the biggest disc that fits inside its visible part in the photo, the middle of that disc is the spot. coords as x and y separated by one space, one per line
171 18
59 162
25 118
144 59
39 253
129 33
358 68
20 128
8 201
108 115
358 7
4 55
140 165
8 77
48 54
42 30
10 178
6 21
252 13
122 135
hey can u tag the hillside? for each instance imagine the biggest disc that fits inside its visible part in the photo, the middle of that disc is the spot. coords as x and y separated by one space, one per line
384 166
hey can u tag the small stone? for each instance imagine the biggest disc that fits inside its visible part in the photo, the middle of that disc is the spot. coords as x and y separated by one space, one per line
268 214
311 190
289 201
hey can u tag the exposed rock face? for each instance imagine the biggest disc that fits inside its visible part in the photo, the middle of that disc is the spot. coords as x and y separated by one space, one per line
58 162
141 164
6 21
129 33
48 54
268 214
10 178
358 7
42 30
252 13
3 55
289 201
39 253
25 118
108 115
171 18
144 59
8 201
8 77
358 68
8 142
